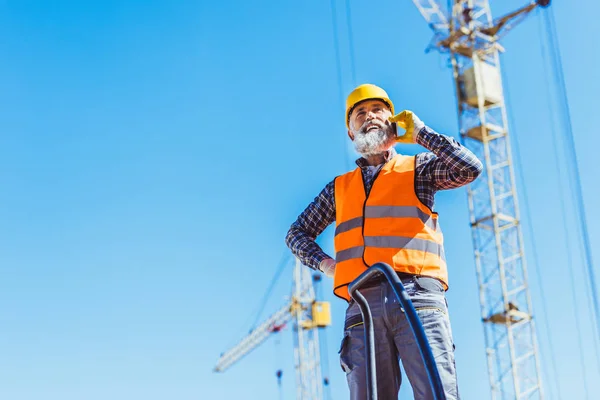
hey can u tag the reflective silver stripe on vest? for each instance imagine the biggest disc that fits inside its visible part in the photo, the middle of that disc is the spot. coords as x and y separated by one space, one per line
393 242
400 211
401 242
349 254
349 225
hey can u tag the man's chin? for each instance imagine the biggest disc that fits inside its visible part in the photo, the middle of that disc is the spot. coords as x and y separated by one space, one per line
376 152
370 145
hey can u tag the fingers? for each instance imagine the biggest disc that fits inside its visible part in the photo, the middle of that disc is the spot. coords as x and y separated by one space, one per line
403 119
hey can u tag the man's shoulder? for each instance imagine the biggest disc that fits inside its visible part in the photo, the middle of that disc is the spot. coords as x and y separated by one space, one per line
329 189
418 159
423 158
348 173
345 179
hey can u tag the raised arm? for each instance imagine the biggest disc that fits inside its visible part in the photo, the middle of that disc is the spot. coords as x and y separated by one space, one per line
449 165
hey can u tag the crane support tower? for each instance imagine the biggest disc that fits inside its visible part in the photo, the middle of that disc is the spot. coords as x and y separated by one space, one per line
308 315
470 35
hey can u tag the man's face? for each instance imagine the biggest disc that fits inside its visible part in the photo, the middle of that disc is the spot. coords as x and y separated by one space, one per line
370 129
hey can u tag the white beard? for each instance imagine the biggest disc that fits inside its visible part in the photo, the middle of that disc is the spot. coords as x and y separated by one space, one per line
374 142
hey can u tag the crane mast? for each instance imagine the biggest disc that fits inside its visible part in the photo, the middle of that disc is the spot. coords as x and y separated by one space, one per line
306 339
470 36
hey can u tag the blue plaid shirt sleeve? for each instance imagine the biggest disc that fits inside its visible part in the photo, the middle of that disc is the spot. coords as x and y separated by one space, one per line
314 219
449 165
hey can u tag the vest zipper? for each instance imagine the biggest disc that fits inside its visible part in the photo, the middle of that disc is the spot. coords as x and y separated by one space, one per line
365 205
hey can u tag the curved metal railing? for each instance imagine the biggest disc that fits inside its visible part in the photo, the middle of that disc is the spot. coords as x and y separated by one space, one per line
413 320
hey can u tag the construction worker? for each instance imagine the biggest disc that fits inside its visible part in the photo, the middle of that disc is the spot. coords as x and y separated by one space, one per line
383 212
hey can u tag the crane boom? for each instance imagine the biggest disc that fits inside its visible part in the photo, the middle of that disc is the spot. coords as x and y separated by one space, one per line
255 338
433 14
505 23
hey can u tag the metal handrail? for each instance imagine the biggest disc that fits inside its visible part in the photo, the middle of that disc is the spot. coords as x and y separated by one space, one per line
413 321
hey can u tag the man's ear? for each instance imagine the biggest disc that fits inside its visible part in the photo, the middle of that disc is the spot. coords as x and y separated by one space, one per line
351 135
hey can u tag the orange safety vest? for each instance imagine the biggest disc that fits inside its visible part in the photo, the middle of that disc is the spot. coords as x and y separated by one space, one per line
391 225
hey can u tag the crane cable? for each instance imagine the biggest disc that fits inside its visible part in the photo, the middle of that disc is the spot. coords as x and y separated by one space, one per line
534 251
555 137
278 361
283 262
350 42
563 208
323 344
338 62
338 65
573 168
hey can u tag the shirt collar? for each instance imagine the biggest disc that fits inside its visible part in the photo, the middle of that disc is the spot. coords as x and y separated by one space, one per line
391 153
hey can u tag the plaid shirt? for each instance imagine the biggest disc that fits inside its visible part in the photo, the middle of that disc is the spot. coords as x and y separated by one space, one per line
448 165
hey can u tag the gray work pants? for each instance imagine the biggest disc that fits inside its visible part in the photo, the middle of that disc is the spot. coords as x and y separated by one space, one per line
394 341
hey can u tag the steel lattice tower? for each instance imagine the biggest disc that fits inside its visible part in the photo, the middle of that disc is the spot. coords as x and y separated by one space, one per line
506 309
471 37
306 338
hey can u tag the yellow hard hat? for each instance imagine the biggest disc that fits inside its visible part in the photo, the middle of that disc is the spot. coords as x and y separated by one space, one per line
364 92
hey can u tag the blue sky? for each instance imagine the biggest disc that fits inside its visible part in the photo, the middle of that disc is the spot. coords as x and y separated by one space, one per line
153 155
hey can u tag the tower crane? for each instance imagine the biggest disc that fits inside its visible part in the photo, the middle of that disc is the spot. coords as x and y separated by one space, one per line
308 315
470 35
